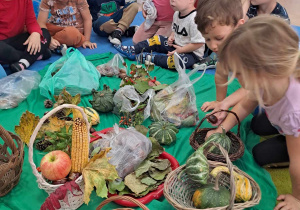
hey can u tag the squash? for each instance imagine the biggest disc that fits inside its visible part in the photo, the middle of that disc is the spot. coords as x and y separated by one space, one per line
92 114
197 168
219 138
163 132
211 195
242 184
103 100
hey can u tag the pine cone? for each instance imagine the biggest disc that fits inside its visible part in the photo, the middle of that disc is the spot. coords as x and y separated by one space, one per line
60 114
48 103
43 144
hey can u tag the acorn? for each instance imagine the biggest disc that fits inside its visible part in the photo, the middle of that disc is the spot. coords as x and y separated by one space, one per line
212 119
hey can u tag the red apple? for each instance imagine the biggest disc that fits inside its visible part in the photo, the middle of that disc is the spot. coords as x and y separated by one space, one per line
55 165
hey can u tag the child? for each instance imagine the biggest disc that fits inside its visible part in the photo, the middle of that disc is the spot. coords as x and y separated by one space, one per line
259 7
216 19
162 24
109 19
185 39
19 47
270 71
69 24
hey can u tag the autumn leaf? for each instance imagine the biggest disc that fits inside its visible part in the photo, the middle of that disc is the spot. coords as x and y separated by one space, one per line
95 174
53 125
28 122
66 98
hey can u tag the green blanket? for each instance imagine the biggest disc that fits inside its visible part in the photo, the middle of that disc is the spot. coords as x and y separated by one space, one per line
27 195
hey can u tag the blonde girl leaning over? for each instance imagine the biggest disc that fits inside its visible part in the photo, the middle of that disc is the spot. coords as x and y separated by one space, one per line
263 55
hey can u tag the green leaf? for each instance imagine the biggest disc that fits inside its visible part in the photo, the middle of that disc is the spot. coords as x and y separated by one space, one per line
157 149
50 148
125 191
142 86
134 184
116 185
142 129
148 181
143 167
95 151
159 87
157 174
61 145
161 164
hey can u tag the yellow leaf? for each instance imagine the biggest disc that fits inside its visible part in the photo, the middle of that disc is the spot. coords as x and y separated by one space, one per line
53 125
28 122
97 171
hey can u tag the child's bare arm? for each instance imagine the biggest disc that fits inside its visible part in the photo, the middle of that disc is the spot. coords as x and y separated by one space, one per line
292 201
42 18
87 28
186 49
221 78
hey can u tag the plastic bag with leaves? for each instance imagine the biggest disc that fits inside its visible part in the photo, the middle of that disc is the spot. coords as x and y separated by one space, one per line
127 99
177 102
16 87
128 148
115 67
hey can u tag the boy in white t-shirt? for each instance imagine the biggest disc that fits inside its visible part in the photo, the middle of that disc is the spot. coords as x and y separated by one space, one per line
185 39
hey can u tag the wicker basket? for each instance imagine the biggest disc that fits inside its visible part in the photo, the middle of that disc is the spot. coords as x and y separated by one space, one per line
236 149
179 193
74 201
118 197
10 162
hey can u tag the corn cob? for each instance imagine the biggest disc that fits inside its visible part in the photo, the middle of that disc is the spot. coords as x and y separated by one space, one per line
80 144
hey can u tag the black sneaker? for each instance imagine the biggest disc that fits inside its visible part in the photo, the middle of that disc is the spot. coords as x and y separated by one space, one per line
60 50
131 31
115 37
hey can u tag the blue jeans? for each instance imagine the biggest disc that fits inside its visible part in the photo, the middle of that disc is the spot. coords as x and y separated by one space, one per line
103 19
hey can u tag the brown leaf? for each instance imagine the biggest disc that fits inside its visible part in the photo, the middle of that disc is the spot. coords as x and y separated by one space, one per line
66 98
97 171
28 122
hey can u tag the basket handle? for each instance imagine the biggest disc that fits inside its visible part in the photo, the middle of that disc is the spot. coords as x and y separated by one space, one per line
37 128
118 197
8 139
230 167
221 110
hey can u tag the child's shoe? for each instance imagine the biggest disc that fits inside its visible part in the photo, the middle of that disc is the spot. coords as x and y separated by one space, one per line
210 63
60 50
115 37
127 51
131 31
19 66
145 58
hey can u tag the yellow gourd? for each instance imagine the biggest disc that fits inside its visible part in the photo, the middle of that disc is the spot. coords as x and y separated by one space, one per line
92 114
242 184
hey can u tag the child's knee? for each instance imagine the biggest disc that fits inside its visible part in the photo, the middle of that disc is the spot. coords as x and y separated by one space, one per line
133 7
155 40
70 36
109 26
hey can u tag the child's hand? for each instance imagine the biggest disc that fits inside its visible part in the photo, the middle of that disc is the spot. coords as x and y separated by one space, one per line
144 13
54 44
171 40
178 50
209 133
89 44
216 106
288 202
34 43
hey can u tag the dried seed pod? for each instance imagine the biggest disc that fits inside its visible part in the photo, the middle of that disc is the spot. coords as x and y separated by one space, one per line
48 103
61 181
92 130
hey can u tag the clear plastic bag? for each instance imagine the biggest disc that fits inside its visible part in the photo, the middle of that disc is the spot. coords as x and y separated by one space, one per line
128 148
72 71
115 67
177 102
126 95
16 87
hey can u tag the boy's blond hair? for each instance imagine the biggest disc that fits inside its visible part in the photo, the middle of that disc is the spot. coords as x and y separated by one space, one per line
265 47
225 12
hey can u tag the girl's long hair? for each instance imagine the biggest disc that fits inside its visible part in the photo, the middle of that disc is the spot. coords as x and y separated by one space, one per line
265 47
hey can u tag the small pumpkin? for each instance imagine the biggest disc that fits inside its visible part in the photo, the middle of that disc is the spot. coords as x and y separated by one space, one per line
103 100
211 195
219 138
242 184
197 168
92 114
163 132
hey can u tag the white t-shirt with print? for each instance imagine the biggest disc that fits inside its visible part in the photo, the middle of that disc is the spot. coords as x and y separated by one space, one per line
186 31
